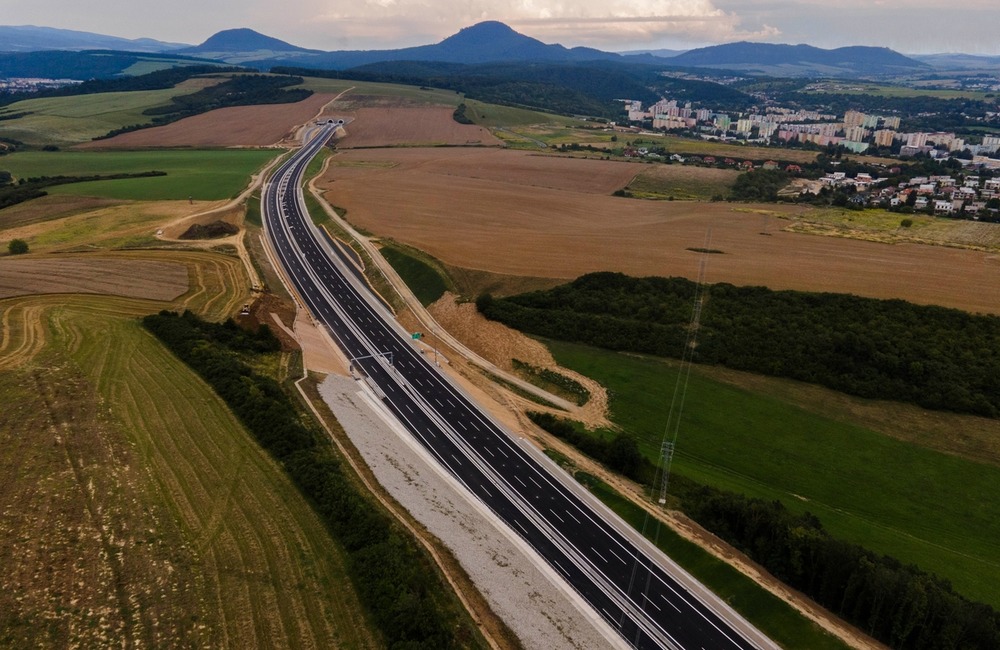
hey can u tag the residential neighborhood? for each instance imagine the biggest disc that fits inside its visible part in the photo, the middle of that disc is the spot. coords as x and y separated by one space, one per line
855 131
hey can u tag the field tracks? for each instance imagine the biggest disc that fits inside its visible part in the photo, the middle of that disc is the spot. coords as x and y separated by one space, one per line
110 550
22 334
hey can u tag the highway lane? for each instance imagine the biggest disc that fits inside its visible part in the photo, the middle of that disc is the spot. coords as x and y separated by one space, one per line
623 584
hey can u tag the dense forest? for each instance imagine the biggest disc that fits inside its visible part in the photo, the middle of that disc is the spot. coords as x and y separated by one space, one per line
392 577
759 185
500 84
934 357
591 88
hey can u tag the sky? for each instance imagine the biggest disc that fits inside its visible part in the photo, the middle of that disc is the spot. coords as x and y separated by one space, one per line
909 26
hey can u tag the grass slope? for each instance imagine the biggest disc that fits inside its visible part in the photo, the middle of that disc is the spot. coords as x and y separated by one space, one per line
72 120
934 510
393 93
203 175
192 531
423 279
490 115
682 182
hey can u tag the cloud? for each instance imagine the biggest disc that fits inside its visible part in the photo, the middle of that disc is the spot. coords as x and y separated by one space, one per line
573 22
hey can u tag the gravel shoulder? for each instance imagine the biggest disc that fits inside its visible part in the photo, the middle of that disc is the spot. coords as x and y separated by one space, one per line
538 611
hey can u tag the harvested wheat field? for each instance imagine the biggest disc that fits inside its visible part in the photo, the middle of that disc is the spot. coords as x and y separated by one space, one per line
489 220
138 512
49 208
504 169
138 278
236 126
381 126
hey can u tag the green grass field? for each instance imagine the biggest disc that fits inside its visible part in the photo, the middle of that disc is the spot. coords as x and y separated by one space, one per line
423 279
767 612
884 90
682 182
72 120
885 226
489 115
205 175
920 506
392 92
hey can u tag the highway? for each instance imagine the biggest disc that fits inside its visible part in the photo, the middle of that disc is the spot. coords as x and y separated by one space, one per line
617 577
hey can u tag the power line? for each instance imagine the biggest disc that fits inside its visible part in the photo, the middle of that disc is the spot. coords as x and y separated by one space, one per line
671 429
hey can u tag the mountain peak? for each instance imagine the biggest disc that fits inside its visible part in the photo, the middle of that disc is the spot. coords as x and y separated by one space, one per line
244 40
485 33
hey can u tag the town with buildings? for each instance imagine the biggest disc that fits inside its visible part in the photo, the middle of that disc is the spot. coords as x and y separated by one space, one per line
971 192
855 131
33 84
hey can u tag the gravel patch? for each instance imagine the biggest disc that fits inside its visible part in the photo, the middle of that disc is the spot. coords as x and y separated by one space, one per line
523 594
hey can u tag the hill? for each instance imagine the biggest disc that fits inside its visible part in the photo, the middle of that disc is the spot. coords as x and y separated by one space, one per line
93 64
660 54
799 60
957 61
234 41
494 41
485 42
29 38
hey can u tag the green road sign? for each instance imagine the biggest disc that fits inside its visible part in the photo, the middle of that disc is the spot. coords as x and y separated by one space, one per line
416 335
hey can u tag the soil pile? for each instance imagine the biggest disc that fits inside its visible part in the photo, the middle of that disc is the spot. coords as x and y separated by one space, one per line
214 230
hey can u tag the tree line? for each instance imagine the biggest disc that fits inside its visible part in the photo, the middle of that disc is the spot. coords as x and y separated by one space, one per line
922 111
620 454
393 578
935 357
897 604
108 64
26 189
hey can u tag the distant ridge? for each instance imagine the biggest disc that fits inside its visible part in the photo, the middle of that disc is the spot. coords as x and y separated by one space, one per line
29 38
494 42
959 61
660 54
798 60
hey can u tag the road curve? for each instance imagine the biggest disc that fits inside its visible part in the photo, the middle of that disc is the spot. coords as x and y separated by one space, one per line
624 582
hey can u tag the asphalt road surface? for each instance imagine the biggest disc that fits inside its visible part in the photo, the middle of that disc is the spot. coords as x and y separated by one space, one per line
620 579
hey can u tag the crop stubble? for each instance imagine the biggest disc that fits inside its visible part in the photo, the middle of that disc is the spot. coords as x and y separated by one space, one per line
236 126
491 220
382 126
161 521
156 280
